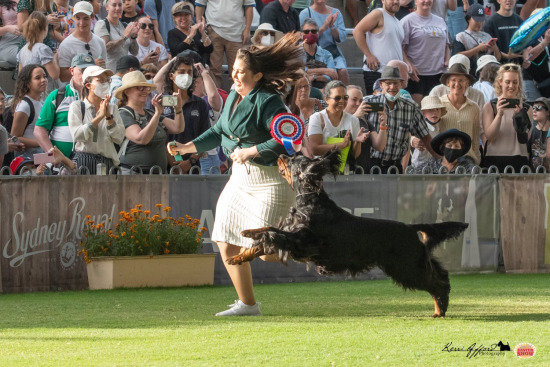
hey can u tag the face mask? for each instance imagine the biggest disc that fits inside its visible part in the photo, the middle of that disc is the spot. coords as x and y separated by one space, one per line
150 81
391 98
311 38
452 155
183 81
267 40
102 89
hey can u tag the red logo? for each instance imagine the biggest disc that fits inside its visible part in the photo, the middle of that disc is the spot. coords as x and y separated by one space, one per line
525 350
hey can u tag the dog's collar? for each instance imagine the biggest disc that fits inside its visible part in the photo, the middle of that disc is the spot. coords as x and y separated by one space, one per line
307 193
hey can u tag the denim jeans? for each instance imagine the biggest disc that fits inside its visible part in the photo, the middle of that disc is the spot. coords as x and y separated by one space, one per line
210 165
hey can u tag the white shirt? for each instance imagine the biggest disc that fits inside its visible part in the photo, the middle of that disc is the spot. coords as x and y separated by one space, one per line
145 50
348 122
93 140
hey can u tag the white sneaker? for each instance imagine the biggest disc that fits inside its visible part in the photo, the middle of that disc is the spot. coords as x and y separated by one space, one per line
240 309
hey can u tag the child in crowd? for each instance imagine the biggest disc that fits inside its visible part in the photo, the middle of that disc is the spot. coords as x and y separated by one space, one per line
129 11
537 144
452 145
35 29
433 110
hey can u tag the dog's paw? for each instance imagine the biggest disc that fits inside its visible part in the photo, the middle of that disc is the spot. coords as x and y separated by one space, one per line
438 315
255 234
235 260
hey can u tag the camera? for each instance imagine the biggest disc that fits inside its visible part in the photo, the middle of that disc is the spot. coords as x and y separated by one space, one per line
169 101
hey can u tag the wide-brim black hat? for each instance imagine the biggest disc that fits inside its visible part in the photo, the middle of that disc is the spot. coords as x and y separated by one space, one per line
456 69
451 133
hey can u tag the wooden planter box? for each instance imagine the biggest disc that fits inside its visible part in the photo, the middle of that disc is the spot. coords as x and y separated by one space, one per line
155 271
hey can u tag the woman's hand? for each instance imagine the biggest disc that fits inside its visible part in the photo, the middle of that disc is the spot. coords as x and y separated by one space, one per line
20 147
53 20
174 148
242 155
104 111
501 106
362 136
179 106
194 29
346 142
131 30
13 29
413 73
157 103
417 144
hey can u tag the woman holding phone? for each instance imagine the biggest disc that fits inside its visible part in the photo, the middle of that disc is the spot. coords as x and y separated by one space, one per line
95 125
146 130
334 122
505 146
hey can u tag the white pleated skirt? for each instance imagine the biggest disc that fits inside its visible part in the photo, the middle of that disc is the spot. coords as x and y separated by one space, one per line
255 196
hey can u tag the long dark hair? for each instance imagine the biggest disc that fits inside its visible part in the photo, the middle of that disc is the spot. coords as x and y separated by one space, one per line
280 63
23 82
8 4
169 83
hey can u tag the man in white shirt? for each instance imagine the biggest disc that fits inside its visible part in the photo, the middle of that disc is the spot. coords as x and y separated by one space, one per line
229 23
82 40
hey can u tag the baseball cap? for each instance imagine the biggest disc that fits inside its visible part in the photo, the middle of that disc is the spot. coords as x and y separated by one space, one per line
83 7
95 71
126 62
476 11
18 162
82 61
486 60
183 7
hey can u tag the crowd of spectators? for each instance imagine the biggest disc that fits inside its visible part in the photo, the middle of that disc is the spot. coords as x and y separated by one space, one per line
106 84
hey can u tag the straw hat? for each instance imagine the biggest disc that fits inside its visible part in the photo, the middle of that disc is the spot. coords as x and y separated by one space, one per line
131 80
433 102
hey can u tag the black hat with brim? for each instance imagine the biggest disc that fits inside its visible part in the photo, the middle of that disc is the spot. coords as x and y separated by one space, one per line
452 133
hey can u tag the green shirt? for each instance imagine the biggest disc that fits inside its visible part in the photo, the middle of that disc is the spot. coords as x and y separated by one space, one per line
56 120
248 125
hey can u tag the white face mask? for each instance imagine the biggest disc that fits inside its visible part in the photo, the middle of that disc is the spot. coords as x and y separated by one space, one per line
183 81
102 89
267 40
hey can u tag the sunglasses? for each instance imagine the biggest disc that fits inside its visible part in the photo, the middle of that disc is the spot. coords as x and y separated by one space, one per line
306 31
268 33
87 47
339 98
144 25
539 108
511 67
149 76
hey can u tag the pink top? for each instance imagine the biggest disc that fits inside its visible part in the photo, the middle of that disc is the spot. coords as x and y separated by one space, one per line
9 17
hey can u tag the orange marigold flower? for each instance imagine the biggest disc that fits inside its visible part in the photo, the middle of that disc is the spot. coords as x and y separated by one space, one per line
123 234
139 206
166 251
204 229
158 205
167 209
147 212
88 216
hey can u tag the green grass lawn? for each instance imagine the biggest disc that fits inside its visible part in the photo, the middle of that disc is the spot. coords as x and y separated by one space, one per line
351 323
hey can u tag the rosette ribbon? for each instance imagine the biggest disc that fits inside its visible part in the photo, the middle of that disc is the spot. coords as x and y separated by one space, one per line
288 129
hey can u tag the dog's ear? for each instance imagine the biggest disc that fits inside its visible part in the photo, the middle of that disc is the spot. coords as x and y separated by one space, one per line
328 163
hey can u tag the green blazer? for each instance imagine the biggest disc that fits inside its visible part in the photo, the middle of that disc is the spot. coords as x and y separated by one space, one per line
249 125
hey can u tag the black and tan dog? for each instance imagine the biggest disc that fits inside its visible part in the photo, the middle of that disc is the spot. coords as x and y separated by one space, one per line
320 232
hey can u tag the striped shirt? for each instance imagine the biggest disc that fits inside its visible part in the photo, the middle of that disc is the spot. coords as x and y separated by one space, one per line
404 119
465 119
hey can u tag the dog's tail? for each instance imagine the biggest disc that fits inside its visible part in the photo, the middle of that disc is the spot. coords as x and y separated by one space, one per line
433 234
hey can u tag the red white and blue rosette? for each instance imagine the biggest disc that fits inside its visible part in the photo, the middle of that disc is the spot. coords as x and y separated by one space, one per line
287 129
